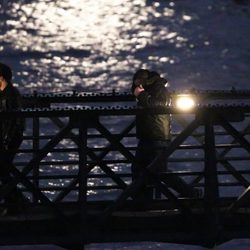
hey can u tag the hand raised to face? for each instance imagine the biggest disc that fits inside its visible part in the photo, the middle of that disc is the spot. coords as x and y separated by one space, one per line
138 90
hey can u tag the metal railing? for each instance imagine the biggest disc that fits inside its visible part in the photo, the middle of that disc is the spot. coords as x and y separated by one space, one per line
83 153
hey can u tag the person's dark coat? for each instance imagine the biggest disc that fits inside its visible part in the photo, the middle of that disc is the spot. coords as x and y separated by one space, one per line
153 126
11 129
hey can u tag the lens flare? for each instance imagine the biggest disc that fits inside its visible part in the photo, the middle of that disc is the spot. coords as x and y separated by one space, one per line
185 102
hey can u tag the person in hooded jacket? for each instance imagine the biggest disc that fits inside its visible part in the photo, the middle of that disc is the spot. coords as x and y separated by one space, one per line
11 132
154 133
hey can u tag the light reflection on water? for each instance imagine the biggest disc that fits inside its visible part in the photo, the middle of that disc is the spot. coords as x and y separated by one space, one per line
96 45
95 34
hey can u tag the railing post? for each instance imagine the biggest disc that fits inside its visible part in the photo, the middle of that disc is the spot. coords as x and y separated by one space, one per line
36 146
35 140
211 182
83 176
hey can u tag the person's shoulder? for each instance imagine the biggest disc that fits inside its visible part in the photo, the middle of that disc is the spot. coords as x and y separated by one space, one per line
160 87
12 92
14 89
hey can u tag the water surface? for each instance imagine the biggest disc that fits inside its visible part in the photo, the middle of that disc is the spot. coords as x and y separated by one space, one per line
97 45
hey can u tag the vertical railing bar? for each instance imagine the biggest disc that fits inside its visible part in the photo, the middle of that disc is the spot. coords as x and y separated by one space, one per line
35 140
83 177
211 182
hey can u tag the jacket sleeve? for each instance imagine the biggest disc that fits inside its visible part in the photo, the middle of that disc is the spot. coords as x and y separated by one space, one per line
158 97
14 126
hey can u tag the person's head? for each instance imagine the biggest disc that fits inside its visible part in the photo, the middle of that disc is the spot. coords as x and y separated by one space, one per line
5 75
146 78
139 78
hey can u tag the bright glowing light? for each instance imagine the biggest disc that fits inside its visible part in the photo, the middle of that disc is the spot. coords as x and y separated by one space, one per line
185 102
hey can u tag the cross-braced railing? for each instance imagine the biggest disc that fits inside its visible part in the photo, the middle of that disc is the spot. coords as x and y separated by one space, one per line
83 155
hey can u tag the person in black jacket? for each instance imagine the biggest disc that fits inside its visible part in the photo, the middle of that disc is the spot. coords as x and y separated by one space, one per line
11 131
154 132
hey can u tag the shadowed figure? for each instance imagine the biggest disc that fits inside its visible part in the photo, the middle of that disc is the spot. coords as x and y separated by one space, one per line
154 134
11 134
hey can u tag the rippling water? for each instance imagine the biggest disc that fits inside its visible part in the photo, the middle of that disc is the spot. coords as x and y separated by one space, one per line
97 45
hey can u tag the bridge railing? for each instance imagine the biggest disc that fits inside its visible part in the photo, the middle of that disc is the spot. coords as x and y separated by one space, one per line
83 152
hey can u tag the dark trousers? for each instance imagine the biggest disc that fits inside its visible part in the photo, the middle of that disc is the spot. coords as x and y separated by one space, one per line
146 153
6 160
